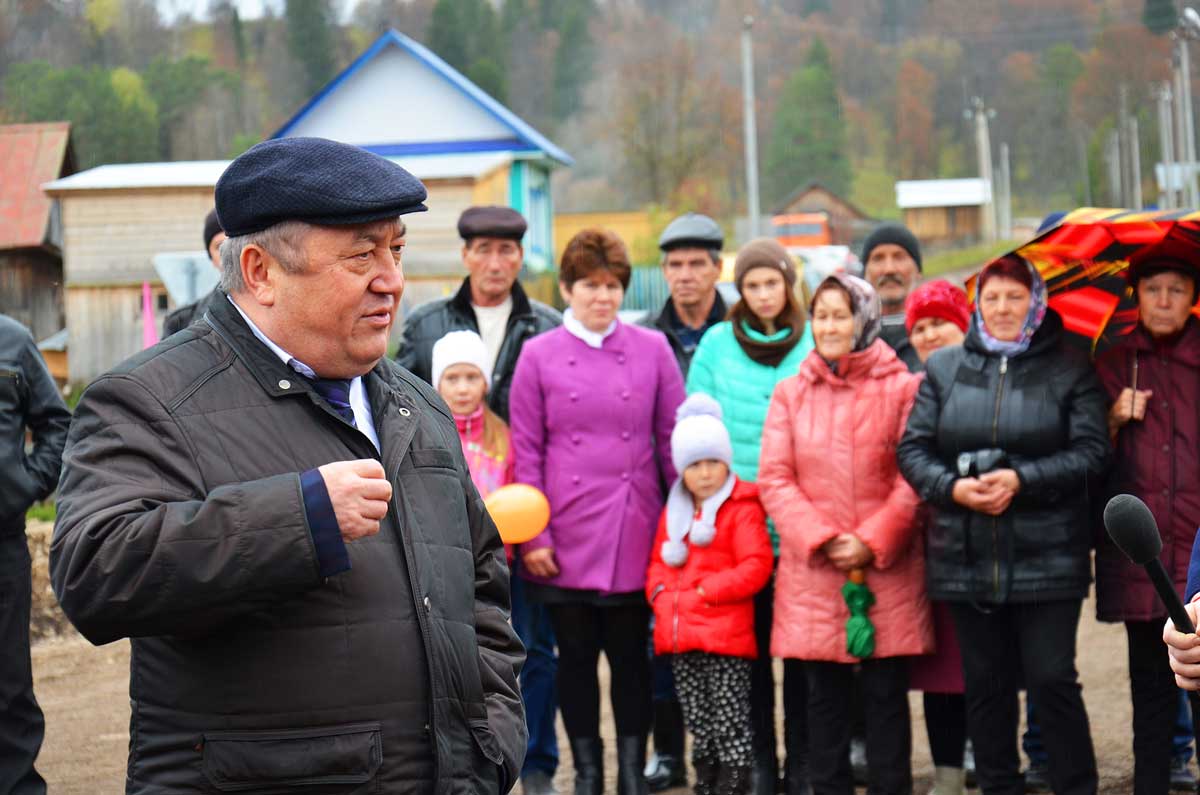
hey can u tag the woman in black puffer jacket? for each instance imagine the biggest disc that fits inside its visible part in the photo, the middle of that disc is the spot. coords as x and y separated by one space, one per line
1005 441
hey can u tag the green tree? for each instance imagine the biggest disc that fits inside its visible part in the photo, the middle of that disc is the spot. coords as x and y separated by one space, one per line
311 41
808 135
177 87
113 117
448 35
466 35
1159 16
572 61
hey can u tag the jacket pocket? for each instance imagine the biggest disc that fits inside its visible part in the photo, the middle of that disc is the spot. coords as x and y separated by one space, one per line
243 761
432 457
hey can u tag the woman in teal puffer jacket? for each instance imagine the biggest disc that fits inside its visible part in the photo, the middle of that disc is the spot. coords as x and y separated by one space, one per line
739 362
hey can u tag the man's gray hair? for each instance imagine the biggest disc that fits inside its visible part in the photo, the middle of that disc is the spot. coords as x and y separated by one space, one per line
714 254
284 241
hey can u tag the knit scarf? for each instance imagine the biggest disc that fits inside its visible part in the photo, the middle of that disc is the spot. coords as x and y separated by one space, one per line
768 352
685 523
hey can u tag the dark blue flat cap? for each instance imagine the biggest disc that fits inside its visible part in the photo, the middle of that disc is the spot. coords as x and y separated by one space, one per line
313 180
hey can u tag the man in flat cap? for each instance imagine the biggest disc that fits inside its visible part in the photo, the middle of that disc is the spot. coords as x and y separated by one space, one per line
282 521
691 263
182 317
490 301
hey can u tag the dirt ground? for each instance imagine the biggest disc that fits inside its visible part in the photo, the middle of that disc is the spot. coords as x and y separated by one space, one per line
84 692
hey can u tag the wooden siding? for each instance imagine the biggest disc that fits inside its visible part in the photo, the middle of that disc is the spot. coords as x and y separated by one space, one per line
635 228
944 225
111 237
31 290
105 327
847 224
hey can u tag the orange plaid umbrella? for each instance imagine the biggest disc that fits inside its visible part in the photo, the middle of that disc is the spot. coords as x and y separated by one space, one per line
1083 260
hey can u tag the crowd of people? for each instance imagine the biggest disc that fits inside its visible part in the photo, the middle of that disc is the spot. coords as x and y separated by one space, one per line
877 483
879 430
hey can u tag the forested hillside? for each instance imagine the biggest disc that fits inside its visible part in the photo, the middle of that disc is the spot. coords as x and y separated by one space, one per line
646 94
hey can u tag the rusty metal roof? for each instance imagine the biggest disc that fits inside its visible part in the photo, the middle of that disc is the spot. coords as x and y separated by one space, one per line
30 154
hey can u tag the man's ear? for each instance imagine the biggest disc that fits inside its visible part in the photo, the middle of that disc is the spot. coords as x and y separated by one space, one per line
259 271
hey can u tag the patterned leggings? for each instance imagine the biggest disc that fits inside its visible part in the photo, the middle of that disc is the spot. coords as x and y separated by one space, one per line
714 691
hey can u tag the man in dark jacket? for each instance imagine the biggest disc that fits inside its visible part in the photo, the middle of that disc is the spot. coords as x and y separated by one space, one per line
29 400
182 317
891 259
283 522
691 263
490 302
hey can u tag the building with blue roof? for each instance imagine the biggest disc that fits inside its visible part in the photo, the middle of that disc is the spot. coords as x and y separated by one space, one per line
400 100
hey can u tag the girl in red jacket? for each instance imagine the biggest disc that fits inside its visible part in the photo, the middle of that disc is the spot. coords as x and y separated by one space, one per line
711 556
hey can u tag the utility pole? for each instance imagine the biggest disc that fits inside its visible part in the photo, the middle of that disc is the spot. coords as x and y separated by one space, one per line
1084 169
750 126
1005 200
1123 148
983 150
1135 165
1166 144
1112 158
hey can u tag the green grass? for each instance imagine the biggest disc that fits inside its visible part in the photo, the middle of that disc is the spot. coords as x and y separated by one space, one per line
971 258
41 512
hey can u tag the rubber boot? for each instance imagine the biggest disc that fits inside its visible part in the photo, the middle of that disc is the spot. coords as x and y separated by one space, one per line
764 776
734 781
631 761
587 754
949 781
706 771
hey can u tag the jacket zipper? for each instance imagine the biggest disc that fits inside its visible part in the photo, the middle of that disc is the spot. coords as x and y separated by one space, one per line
675 617
996 519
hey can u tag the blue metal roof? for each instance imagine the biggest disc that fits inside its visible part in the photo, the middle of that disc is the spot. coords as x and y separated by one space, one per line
526 136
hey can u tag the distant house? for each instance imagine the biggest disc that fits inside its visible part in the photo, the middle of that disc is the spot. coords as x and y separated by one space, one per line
400 101
944 212
848 224
31 269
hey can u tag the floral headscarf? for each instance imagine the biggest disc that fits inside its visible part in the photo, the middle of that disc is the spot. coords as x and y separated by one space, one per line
864 304
1033 319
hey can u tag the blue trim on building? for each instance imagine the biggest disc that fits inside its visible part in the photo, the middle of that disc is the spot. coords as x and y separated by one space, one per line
449 147
532 139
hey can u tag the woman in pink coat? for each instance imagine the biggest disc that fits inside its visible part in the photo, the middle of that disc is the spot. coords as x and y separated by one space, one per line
828 477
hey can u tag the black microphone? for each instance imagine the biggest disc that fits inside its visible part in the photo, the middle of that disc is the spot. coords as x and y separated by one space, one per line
1133 529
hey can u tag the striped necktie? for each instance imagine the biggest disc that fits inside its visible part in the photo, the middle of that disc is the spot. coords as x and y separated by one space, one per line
335 392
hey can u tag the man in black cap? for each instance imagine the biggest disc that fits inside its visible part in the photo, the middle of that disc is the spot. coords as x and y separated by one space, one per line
282 520
182 317
490 301
29 401
891 259
691 263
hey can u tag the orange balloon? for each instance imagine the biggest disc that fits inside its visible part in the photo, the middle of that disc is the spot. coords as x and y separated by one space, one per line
520 512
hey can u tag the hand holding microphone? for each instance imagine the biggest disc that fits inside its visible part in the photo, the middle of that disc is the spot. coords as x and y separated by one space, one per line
1133 529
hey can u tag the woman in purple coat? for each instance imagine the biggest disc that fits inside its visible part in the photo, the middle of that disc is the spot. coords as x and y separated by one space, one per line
592 408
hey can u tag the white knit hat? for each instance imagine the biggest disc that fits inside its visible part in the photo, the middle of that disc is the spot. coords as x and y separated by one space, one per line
699 434
461 347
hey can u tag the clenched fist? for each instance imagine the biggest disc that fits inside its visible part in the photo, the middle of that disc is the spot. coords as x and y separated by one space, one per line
359 491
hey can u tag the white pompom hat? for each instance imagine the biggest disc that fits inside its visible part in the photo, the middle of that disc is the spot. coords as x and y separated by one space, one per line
460 347
699 434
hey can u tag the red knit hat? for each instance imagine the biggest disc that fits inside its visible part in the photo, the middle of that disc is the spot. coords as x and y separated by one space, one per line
938 298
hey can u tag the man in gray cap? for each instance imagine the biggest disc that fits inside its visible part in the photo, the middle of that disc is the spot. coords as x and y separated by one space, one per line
691 263
282 521
490 301
182 317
